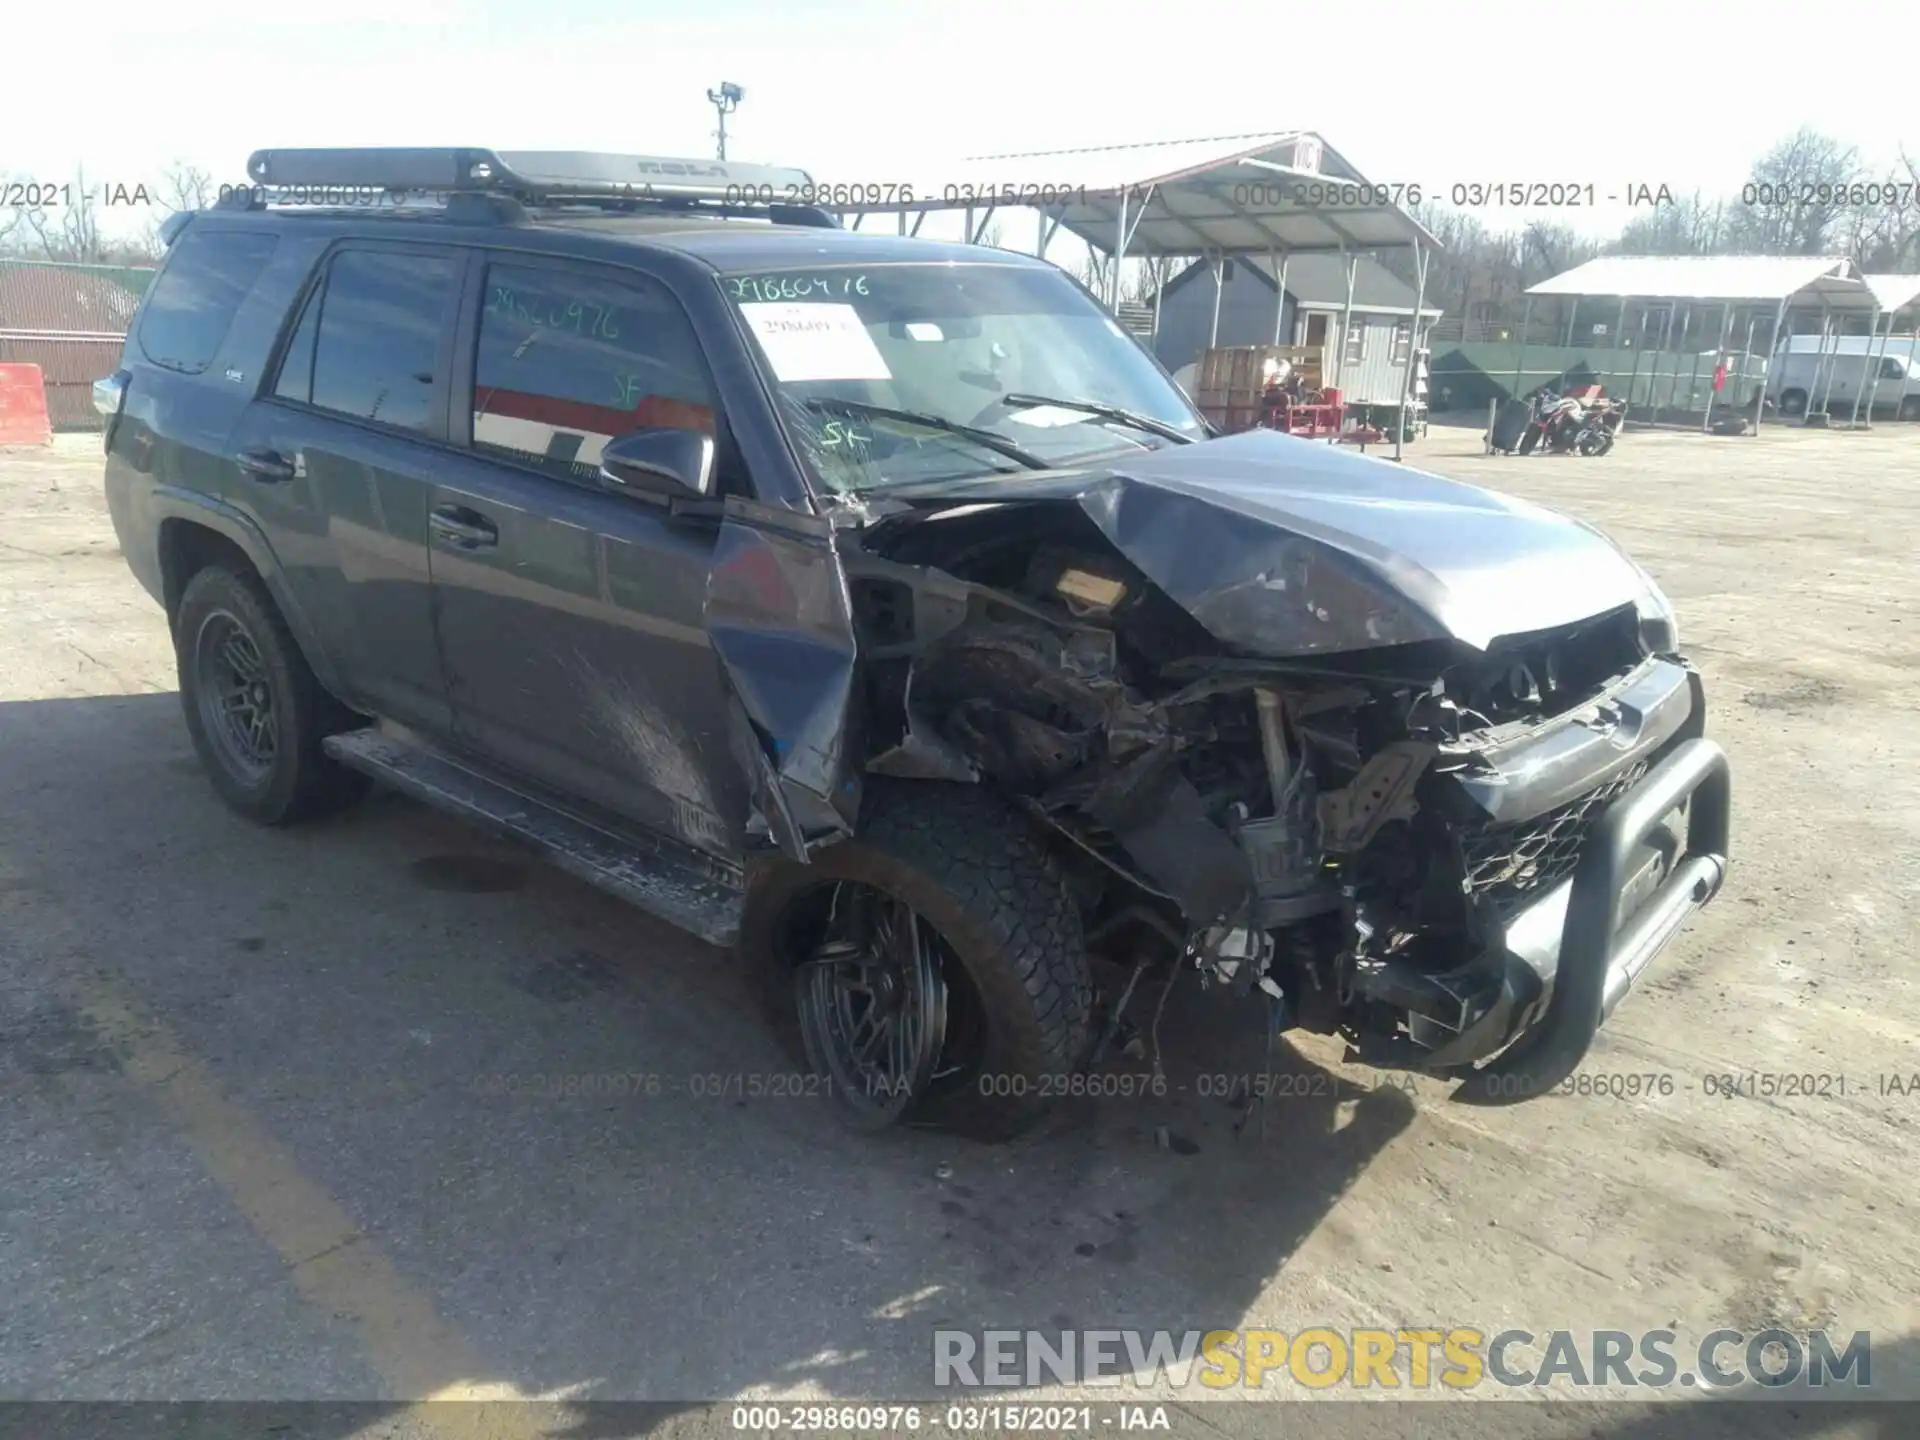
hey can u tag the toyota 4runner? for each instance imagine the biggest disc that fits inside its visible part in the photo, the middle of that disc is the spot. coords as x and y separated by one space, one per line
880 607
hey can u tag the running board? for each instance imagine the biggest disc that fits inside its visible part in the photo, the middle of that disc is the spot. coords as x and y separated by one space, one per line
652 873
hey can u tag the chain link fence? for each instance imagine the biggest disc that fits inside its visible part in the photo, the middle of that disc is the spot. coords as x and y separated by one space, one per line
1673 363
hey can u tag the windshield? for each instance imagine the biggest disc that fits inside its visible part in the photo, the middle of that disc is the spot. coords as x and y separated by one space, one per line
891 374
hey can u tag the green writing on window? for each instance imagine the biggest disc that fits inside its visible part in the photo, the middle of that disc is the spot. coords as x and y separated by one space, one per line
796 285
548 312
629 390
838 434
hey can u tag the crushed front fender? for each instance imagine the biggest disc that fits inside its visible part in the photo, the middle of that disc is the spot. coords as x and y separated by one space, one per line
780 620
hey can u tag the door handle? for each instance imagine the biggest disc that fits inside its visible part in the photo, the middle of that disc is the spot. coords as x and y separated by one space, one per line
267 465
463 529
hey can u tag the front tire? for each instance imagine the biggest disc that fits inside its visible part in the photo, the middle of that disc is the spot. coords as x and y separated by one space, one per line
982 930
254 710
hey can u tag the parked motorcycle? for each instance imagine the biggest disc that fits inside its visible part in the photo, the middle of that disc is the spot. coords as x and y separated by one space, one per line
1599 428
1554 423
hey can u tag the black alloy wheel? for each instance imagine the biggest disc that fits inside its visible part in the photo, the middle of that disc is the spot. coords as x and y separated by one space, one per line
873 1004
235 695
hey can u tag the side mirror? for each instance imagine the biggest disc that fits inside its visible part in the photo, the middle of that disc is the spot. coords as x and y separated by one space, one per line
659 461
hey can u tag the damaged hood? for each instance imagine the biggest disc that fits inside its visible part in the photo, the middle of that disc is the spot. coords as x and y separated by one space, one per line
1285 547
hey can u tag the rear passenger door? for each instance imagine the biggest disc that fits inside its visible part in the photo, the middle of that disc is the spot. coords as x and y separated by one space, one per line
571 619
339 457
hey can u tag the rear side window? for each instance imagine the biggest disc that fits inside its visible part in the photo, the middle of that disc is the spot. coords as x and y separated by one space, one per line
565 362
193 303
368 342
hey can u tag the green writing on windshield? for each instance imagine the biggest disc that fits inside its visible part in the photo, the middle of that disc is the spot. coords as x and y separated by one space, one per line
844 434
548 312
796 285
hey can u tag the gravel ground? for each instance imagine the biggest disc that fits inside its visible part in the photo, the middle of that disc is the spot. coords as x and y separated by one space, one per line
250 1149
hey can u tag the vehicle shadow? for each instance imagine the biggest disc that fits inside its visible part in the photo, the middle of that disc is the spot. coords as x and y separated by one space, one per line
365 986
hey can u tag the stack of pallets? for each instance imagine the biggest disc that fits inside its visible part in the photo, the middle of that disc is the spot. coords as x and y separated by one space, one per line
1232 384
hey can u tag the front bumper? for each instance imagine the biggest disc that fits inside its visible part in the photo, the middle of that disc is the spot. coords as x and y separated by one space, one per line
1590 938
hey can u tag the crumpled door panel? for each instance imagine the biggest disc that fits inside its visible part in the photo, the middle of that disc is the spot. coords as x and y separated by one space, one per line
780 618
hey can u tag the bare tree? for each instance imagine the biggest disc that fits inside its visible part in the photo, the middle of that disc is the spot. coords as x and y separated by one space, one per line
182 186
1092 271
12 220
1459 271
69 227
1549 250
185 187
1795 199
1690 226
1880 230
1146 278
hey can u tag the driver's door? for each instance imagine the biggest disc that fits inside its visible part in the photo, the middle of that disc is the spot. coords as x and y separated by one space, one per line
570 619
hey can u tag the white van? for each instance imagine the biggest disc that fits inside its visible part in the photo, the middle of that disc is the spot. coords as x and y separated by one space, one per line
1803 375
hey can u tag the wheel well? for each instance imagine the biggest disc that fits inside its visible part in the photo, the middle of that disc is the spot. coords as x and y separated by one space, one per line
186 549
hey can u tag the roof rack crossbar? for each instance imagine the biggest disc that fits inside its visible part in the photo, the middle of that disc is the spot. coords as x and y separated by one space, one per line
468 207
531 176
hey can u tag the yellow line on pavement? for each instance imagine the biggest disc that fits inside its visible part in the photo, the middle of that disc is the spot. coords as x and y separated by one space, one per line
336 1266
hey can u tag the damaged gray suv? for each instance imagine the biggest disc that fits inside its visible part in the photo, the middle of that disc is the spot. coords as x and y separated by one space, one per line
880 608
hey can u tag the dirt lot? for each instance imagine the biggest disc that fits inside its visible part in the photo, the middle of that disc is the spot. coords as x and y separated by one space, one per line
251 1146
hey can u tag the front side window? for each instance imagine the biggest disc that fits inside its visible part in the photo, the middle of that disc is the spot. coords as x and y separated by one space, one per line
897 373
567 361
191 308
369 339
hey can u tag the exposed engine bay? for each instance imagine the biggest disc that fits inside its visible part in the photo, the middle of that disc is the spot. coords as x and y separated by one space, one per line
1371 837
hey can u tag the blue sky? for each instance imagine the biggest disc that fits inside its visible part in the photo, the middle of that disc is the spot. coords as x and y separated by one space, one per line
873 91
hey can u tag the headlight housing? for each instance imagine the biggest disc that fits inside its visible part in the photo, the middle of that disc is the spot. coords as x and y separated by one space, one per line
1659 626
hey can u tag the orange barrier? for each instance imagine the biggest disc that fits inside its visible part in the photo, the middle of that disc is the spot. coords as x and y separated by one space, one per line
23 406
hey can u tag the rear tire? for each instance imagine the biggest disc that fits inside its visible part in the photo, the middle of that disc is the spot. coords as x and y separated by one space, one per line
1910 408
1793 402
254 710
1018 996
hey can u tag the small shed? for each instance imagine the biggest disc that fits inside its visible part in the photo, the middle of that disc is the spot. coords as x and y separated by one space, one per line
1300 301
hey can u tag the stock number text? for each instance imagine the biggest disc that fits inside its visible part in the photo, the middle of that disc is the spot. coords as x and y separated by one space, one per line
872 192
1326 193
1892 194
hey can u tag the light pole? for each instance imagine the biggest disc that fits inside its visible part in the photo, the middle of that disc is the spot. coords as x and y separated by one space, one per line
725 101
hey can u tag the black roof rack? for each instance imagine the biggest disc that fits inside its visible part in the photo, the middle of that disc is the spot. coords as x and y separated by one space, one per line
501 181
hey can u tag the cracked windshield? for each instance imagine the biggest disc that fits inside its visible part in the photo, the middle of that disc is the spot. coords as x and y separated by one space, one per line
893 374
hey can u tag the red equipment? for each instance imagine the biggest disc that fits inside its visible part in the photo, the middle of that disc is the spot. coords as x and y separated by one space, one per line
1310 419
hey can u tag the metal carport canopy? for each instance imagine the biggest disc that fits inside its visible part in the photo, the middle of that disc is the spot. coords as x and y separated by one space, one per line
1277 193
1786 281
1230 195
1894 292
1739 279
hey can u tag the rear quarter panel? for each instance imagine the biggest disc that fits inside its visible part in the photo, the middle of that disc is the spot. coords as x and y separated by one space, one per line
168 456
